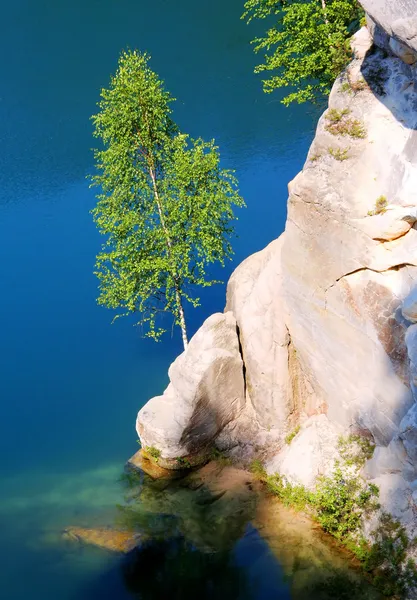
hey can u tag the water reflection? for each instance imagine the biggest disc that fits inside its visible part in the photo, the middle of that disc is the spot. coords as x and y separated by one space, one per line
214 534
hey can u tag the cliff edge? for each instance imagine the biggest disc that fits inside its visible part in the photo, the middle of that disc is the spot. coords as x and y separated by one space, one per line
320 327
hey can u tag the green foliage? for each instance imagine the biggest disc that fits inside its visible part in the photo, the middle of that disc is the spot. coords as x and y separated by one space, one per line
296 496
153 452
315 157
307 45
359 85
392 572
339 123
381 204
289 438
341 500
220 457
346 87
257 468
183 462
339 154
340 503
165 205
355 450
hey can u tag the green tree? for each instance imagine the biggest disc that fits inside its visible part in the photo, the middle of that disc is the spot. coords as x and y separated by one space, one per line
307 46
164 203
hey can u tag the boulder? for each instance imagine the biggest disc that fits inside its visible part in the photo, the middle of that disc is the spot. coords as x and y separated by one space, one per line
409 306
397 18
107 539
361 43
206 392
401 50
311 453
254 295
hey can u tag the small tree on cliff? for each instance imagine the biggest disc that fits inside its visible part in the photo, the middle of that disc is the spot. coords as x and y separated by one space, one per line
164 204
307 46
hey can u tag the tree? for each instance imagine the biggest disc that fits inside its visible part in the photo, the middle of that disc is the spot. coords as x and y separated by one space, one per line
164 203
308 45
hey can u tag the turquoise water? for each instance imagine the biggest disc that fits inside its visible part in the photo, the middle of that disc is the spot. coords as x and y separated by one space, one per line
71 383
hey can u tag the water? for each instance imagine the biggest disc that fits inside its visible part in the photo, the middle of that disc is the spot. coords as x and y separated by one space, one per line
71 383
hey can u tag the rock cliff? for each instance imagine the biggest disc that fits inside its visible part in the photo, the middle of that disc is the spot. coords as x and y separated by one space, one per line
320 328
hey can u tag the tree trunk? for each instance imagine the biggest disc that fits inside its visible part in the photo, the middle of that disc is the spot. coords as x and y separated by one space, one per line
182 319
169 246
324 7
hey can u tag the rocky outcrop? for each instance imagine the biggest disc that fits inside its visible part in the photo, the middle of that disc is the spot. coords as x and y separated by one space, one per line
205 393
325 317
397 19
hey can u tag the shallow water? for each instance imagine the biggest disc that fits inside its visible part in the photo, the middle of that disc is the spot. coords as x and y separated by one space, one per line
71 383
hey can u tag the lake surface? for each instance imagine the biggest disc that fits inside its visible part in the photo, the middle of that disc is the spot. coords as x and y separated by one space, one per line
72 383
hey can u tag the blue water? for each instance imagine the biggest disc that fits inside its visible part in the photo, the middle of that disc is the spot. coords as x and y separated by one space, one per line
72 383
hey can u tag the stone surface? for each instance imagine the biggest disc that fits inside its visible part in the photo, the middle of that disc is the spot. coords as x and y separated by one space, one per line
398 18
406 54
409 306
311 453
141 461
390 225
206 392
361 43
108 539
254 295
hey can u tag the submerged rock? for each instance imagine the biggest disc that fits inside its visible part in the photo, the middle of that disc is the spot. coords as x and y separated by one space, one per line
107 539
142 461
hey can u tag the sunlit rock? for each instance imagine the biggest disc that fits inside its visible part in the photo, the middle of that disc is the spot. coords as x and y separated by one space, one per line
206 392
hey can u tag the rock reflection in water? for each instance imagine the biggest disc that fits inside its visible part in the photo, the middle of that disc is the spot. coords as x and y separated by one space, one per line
214 534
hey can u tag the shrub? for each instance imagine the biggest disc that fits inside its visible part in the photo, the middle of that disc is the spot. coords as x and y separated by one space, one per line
339 123
340 503
295 495
289 438
358 85
220 457
381 204
339 154
393 573
257 468
355 450
183 462
153 452
341 500
315 157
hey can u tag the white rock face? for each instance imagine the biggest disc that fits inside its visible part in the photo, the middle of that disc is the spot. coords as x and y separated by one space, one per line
398 18
254 295
409 306
206 392
406 54
311 453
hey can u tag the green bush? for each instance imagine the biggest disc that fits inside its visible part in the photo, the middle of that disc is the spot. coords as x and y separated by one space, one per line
392 572
341 500
340 503
339 154
153 452
289 438
256 467
338 123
